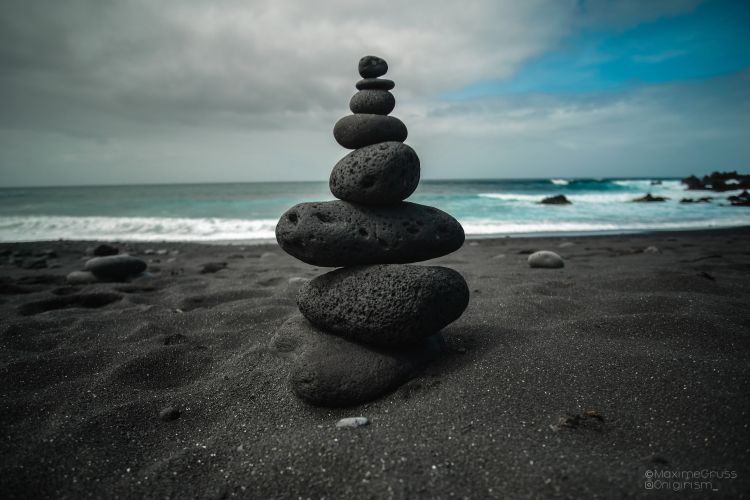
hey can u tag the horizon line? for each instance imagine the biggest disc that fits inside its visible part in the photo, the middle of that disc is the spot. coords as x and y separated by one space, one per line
452 179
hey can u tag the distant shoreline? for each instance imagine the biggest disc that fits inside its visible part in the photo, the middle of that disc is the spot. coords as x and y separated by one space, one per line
489 238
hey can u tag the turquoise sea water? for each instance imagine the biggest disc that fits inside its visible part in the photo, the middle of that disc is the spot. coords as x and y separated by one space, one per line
249 211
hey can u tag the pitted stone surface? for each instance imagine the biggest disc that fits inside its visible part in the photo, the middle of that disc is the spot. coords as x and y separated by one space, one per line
372 67
380 174
331 371
339 233
375 84
384 305
356 131
378 102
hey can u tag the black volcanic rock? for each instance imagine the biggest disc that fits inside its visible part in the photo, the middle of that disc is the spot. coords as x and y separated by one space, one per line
384 305
692 183
705 199
377 102
356 131
372 67
650 198
379 174
375 84
740 200
103 250
339 233
718 181
559 199
331 371
115 267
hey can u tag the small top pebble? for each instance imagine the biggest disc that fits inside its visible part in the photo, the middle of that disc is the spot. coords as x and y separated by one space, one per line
372 67
352 422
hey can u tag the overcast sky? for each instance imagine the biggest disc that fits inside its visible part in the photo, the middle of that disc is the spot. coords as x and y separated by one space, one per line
111 92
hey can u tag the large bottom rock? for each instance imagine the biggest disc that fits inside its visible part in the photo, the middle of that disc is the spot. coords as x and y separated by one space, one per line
384 305
331 371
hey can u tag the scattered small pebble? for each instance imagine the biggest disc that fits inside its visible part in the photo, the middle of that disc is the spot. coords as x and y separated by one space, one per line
103 250
169 413
499 256
545 259
213 267
352 422
706 275
652 250
81 278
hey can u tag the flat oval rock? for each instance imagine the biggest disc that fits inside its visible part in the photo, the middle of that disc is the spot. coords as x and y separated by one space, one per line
115 267
379 174
339 233
384 305
331 371
356 131
375 84
377 102
372 67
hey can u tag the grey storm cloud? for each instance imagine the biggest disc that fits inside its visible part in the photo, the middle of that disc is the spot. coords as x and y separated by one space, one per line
112 91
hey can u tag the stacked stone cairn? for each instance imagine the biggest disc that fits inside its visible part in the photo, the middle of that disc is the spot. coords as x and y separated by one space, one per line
369 326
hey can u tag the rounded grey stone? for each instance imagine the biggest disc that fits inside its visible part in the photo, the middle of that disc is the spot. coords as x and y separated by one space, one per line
546 259
379 174
81 278
375 84
384 305
339 233
377 102
115 267
352 422
331 371
356 131
372 67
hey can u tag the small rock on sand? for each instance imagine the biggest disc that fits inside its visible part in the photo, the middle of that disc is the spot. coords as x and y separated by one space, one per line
169 413
545 259
103 250
352 422
115 267
81 278
213 267
652 250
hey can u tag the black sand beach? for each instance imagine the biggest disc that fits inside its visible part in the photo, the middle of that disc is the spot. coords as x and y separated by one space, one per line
574 383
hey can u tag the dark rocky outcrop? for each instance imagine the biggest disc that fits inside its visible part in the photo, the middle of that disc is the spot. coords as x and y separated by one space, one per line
649 198
559 199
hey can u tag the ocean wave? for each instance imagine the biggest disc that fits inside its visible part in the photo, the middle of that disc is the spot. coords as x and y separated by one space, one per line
559 182
497 227
599 198
45 228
